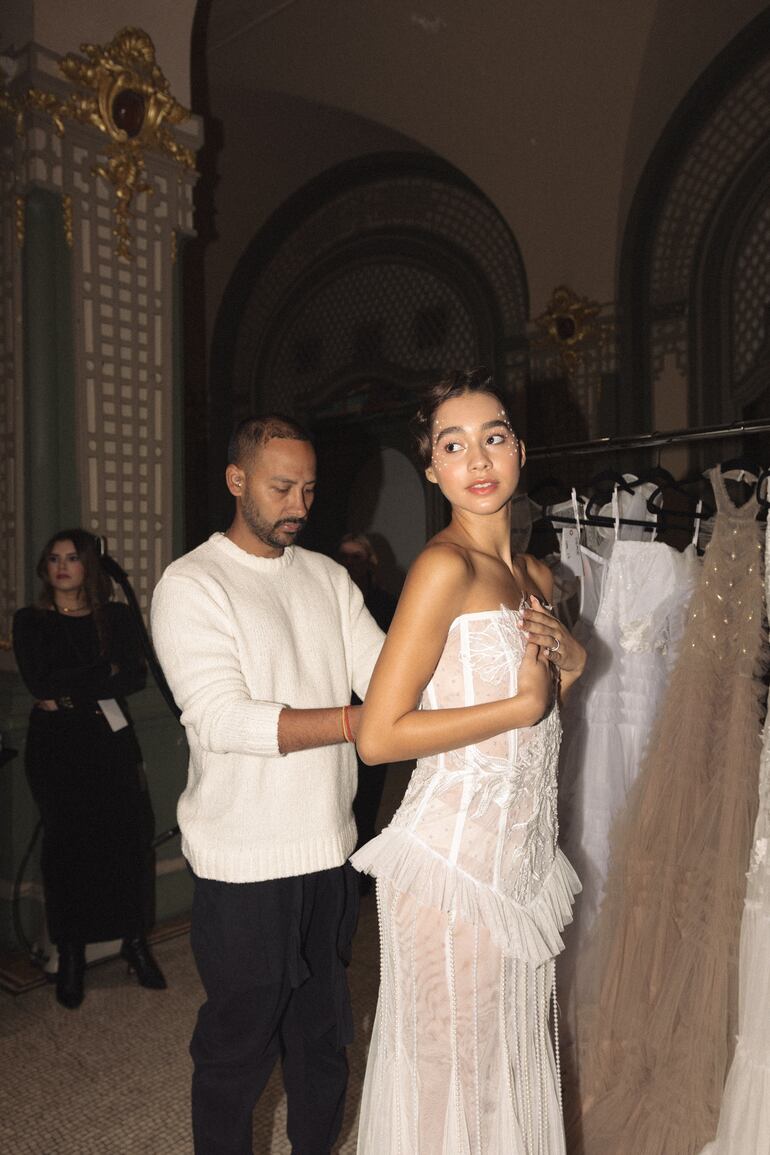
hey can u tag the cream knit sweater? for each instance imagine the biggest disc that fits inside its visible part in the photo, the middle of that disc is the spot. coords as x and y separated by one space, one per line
240 637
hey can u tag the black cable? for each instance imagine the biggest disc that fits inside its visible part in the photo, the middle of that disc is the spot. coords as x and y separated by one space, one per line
119 575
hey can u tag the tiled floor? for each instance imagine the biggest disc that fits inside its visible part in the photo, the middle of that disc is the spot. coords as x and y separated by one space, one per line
112 1078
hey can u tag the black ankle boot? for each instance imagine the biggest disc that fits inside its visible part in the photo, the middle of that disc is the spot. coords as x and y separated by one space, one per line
137 954
69 977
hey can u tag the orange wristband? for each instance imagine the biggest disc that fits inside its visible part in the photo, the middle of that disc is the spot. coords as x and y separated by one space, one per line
346 731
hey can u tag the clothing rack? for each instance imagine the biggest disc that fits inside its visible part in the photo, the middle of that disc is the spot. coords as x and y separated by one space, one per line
649 440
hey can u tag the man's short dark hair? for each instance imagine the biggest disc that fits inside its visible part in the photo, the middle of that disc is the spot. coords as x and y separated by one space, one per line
254 432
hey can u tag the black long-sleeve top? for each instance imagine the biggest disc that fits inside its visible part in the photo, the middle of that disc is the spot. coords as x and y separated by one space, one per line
59 656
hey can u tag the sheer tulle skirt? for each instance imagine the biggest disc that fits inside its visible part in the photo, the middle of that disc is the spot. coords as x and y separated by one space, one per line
461 1060
656 1032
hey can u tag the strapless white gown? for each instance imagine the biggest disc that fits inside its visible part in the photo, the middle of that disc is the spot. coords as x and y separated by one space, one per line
473 894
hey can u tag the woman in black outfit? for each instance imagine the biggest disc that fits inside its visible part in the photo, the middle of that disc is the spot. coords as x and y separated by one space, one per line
79 656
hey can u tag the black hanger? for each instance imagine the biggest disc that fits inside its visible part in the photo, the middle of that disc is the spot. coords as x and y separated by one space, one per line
612 478
603 485
706 512
657 473
763 502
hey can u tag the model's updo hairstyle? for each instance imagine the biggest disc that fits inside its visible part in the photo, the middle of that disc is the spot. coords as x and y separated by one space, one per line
456 384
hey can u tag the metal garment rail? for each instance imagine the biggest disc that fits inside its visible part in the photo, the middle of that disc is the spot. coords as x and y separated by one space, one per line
648 440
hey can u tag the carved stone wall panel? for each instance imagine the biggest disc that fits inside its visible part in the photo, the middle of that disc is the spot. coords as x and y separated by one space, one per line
123 308
724 140
434 208
750 296
387 312
669 338
124 356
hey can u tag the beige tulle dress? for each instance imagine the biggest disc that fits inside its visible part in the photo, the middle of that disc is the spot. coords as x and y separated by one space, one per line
656 1033
473 894
744 1121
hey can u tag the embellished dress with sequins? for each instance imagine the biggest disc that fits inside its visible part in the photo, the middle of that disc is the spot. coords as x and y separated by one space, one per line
744 1121
472 896
657 1031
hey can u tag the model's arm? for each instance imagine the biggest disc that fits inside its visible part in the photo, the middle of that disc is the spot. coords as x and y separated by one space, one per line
543 628
392 727
193 638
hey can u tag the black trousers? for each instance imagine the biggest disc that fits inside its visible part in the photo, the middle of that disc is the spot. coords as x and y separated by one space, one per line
272 956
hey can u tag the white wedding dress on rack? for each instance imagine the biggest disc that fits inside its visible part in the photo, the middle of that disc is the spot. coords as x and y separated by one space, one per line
744 1120
631 635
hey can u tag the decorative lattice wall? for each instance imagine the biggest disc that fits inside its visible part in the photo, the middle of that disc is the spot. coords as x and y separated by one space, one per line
707 172
750 297
390 312
123 330
402 310
718 150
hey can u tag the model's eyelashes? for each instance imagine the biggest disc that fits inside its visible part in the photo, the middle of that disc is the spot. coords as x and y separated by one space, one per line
491 439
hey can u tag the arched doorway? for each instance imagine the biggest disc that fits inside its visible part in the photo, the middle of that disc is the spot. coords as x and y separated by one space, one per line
376 279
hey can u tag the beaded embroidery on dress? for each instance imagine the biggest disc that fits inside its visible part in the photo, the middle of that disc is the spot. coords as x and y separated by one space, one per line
473 894
744 1121
657 1024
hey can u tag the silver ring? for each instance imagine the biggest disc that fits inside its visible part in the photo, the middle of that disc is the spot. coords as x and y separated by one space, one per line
556 646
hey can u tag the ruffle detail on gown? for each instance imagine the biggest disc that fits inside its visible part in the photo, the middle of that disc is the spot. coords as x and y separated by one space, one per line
531 933
744 1124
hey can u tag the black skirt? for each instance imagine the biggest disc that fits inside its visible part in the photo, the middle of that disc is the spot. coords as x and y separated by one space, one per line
97 859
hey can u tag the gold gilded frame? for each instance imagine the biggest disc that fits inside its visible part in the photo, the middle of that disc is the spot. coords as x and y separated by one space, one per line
126 65
569 324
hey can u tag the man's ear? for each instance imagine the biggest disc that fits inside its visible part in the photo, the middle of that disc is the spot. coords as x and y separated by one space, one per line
522 454
431 476
235 479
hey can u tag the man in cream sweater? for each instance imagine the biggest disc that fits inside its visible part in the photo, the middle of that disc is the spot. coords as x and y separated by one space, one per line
262 643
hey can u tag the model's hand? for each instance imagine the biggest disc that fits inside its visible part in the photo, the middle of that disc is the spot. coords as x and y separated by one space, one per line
535 684
46 704
558 644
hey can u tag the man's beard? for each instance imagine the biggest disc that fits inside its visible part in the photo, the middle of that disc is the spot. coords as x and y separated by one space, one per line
270 532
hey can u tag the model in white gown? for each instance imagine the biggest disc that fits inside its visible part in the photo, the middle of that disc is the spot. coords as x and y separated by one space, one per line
744 1120
473 894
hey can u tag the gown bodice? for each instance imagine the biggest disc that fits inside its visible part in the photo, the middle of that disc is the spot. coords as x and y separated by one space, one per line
488 809
476 831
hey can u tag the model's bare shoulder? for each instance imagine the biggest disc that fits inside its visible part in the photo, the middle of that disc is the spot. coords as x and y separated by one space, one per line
443 563
436 585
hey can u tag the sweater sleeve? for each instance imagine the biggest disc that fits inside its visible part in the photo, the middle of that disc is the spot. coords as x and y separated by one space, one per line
366 641
196 645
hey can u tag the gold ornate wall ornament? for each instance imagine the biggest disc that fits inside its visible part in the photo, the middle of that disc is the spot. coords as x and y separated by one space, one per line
121 91
66 209
569 324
